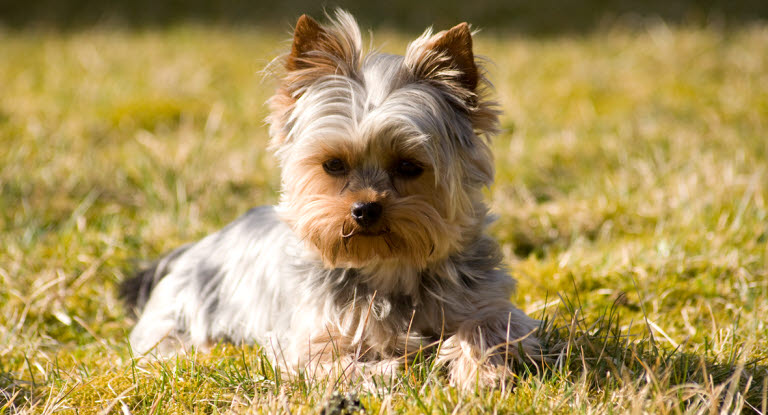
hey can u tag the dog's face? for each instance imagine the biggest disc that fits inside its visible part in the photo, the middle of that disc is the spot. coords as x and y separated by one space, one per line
383 157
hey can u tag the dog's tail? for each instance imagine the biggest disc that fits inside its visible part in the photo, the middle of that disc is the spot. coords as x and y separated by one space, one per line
135 291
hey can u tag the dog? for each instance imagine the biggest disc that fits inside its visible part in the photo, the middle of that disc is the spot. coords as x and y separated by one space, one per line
378 246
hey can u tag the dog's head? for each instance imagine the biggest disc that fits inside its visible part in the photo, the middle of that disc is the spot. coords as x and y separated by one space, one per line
383 157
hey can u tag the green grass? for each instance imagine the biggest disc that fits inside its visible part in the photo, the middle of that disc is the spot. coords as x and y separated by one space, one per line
632 189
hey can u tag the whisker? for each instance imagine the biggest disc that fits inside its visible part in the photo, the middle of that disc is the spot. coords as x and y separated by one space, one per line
344 233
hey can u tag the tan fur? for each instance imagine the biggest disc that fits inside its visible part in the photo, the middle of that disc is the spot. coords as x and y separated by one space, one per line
316 51
322 288
456 45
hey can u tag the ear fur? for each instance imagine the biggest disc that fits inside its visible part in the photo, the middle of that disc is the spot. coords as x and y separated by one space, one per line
307 37
445 57
317 50
446 60
456 45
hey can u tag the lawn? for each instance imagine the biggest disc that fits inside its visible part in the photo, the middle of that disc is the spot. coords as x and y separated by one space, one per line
631 191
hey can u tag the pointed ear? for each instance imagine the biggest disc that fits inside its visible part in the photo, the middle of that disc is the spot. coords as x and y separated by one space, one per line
325 49
456 45
317 51
307 37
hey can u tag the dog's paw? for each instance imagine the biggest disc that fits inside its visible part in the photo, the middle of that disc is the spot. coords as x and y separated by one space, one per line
482 353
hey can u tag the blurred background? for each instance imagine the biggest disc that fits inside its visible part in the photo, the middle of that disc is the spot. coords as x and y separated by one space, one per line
536 17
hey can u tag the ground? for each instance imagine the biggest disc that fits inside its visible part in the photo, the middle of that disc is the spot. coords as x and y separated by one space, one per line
631 191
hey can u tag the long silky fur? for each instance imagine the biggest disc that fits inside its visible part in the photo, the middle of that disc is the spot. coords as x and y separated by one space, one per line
301 280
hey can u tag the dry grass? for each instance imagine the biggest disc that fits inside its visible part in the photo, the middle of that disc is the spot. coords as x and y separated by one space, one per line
631 191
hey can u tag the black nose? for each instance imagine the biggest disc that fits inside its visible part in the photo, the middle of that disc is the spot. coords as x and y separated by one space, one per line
366 214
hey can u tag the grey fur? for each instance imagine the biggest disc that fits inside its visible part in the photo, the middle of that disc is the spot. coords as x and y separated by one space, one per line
253 281
256 280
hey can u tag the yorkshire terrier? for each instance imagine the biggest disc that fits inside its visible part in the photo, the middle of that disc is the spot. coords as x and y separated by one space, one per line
378 246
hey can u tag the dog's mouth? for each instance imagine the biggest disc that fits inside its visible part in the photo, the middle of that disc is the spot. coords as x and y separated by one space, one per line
355 231
372 233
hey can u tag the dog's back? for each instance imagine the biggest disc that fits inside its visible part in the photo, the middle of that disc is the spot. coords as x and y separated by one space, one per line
218 287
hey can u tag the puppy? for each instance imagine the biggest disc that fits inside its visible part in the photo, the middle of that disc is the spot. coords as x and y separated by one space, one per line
378 246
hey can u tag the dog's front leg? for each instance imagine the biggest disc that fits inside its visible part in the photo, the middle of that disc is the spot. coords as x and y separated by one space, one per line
332 356
481 349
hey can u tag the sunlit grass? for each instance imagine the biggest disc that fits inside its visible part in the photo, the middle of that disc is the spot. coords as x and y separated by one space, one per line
632 179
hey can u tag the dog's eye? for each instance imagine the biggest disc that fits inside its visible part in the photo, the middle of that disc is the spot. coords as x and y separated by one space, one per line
409 169
335 167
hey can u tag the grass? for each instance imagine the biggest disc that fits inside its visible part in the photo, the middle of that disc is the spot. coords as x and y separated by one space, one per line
631 192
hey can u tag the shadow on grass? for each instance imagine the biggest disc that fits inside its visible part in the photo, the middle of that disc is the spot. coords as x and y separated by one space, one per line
14 393
608 357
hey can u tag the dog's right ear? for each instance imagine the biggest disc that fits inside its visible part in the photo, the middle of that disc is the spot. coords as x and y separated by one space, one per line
307 37
317 50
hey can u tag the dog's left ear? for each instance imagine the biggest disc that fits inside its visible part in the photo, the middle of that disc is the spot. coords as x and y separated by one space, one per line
449 49
456 44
